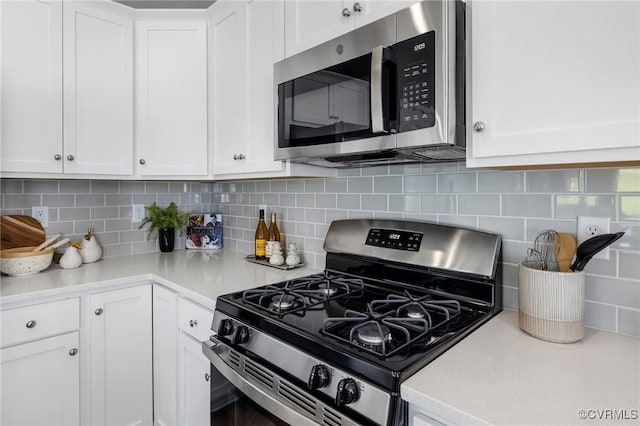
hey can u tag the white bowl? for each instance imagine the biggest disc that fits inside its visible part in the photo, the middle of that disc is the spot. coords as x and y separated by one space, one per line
22 261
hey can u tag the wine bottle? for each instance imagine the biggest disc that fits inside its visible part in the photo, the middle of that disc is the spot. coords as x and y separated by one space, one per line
274 235
261 238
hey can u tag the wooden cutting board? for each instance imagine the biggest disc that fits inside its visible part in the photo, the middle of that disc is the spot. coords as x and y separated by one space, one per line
20 231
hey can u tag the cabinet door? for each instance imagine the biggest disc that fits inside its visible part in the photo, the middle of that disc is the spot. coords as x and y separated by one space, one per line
165 356
171 98
557 88
31 86
194 386
229 79
41 382
98 80
366 11
121 357
309 23
246 39
265 45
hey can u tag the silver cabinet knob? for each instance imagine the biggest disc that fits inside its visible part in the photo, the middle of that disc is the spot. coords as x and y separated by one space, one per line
31 324
478 127
99 311
142 161
193 323
73 352
70 157
206 377
346 12
57 157
357 7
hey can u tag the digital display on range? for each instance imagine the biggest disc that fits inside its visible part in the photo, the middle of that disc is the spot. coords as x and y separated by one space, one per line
394 239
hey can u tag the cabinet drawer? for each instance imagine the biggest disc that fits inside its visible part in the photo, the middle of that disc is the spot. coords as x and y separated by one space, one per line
38 321
194 319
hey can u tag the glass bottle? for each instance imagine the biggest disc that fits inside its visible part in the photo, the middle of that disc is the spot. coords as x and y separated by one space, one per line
261 238
274 235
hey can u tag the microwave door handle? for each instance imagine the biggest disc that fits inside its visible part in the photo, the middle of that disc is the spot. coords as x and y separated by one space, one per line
377 116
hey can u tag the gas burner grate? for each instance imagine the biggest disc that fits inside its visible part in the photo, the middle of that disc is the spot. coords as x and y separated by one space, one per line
393 324
301 294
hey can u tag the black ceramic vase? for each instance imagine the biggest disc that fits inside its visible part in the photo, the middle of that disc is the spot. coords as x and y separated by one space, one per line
165 239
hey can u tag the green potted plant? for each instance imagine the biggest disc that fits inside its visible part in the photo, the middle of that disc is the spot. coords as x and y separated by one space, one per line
165 221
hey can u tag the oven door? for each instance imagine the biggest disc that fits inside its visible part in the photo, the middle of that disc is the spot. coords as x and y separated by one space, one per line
259 396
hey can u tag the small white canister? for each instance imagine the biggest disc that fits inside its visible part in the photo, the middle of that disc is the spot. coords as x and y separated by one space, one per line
551 304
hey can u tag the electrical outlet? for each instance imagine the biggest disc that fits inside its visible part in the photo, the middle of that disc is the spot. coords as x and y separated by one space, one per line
41 214
138 213
589 227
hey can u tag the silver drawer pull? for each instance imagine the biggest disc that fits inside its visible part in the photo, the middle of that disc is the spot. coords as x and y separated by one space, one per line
70 157
73 352
193 323
206 377
99 311
346 12
31 324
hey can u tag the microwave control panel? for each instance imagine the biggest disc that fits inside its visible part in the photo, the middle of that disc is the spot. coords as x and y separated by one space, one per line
393 239
415 59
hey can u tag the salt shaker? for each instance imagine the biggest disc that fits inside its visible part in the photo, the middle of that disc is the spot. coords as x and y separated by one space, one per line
292 255
276 254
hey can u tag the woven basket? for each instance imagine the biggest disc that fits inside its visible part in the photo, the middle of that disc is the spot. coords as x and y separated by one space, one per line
551 304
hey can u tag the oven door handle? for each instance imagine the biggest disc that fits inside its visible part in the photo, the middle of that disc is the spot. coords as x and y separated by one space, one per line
377 110
215 350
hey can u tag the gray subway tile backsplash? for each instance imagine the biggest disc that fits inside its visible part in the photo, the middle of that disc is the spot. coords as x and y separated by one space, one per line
556 181
516 204
501 182
527 205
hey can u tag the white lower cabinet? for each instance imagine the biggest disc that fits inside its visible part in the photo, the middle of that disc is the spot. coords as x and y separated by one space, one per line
40 382
165 356
39 364
194 368
193 383
120 351
136 360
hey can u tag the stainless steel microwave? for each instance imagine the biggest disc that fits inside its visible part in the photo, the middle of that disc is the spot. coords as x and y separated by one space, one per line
388 92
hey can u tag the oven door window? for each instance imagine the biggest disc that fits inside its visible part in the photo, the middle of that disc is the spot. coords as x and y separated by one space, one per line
230 407
331 105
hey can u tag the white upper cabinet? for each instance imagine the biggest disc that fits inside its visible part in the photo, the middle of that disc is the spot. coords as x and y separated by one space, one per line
552 82
309 23
92 42
171 96
246 39
31 86
98 82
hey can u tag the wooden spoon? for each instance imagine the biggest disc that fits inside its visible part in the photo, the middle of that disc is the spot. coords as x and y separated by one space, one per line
567 248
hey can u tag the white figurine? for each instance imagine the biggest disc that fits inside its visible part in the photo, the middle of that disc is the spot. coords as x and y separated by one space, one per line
89 248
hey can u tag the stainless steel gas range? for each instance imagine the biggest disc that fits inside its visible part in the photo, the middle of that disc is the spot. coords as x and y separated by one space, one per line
333 348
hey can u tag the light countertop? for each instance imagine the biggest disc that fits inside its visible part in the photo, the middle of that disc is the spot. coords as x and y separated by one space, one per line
502 376
200 275
497 375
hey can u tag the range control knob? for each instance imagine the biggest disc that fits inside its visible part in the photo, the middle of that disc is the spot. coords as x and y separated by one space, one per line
242 335
319 377
225 328
347 392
